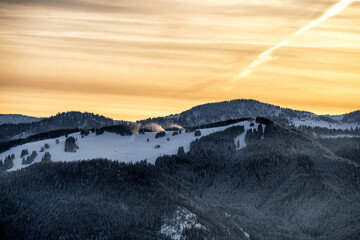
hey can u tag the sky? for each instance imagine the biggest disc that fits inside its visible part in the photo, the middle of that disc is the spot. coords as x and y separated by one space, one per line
132 59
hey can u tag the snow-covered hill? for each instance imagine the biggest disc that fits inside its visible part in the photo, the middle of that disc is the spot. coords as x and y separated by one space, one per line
247 108
119 148
316 121
17 118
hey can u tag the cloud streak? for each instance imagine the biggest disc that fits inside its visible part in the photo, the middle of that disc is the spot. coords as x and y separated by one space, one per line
267 55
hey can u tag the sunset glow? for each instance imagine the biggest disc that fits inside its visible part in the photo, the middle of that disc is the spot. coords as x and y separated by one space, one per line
136 59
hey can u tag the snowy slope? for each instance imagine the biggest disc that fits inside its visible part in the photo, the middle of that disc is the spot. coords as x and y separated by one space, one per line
116 147
247 108
316 122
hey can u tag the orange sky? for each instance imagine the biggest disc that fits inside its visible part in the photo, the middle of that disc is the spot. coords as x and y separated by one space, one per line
133 59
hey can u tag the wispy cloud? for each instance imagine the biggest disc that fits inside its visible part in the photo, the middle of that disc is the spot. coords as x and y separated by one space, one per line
267 55
172 54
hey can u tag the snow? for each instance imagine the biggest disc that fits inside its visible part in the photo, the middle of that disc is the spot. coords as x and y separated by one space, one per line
245 233
313 122
182 219
114 147
241 137
339 136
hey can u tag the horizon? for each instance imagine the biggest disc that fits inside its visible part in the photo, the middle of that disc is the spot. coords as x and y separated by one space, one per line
132 60
134 120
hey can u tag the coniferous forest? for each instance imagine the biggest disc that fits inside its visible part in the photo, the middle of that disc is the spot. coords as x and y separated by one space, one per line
287 185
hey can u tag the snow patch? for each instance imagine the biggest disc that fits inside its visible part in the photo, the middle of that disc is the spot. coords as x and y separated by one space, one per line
182 219
315 122
240 140
245 233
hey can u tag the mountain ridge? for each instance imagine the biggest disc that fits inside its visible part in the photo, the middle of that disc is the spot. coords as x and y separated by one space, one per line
17 118
249 108
66 120
199 115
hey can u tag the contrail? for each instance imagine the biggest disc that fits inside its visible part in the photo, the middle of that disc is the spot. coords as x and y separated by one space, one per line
267 55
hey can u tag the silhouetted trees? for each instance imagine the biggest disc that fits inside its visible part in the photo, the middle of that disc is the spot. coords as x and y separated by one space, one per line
181 150
197 133
29 159
24 152
46 157
70 144
160 134
8 162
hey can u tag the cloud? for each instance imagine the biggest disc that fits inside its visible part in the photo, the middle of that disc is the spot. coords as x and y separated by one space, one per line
267 55
172 54
65 4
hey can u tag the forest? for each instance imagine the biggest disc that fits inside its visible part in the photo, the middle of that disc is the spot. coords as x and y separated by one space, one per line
283 185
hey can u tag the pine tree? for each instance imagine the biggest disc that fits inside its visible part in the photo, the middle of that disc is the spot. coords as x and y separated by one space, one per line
30 158
260 129
24 152
197 133
70 145
160 134
9 162
46 157
181 150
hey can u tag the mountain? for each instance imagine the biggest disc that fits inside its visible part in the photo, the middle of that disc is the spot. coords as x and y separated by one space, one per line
253 180
244 108
67 120
17 118
282 185
351 117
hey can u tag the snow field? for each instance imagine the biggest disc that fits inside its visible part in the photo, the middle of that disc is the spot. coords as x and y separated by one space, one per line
116 147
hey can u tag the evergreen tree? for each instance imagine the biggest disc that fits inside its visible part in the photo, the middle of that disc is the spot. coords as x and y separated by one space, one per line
24 152
70 145
260 129
181 150
46 157
9 162
160 134
197 133
30 158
